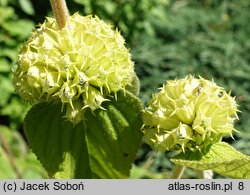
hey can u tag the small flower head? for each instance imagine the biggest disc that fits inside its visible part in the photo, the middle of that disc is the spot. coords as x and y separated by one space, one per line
79 65
189 114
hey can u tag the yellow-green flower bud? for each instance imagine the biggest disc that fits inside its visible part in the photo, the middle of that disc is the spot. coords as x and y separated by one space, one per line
189 114
80 65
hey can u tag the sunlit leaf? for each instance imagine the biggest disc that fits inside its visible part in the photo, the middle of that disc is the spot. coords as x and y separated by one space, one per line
103 145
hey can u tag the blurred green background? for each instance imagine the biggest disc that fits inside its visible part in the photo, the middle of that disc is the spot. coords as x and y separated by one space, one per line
168 39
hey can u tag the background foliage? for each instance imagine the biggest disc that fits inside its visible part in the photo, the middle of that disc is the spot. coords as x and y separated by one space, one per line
168 39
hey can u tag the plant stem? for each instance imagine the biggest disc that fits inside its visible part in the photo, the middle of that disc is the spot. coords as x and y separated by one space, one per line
10 155
149 161
206 174
60 12
178 171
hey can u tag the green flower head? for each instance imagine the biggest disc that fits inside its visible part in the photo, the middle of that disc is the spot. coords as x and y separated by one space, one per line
189 114
80 65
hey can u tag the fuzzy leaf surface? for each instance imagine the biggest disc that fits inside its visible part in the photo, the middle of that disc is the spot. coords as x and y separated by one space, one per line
103 145
220 157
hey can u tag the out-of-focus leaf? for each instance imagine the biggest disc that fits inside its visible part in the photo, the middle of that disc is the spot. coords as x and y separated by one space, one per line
25 161
3 2
6 170
6 88
6 13
4 65
27 6
20 28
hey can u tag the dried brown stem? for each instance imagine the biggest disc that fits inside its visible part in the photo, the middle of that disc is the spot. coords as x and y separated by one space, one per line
60 12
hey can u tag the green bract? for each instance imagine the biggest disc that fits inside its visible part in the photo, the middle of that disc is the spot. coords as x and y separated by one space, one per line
79 65
189 114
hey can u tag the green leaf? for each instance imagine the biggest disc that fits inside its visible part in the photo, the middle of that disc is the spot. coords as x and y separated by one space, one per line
103 145
3 2
220 157
135 86
4 65
20 28
6 89
27 6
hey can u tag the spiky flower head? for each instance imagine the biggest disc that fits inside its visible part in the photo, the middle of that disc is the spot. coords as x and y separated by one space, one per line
80 65
189 114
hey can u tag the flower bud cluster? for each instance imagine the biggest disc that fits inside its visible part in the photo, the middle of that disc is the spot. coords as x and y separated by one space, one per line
189 114
80 65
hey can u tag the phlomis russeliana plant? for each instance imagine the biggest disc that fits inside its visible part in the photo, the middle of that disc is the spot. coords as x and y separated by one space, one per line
87 122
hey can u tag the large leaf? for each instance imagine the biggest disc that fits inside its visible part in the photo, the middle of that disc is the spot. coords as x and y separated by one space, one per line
103 145
220 157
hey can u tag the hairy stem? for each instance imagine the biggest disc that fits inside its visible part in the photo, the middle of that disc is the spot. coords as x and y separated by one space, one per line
60 12
178 171
10 156
205 174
